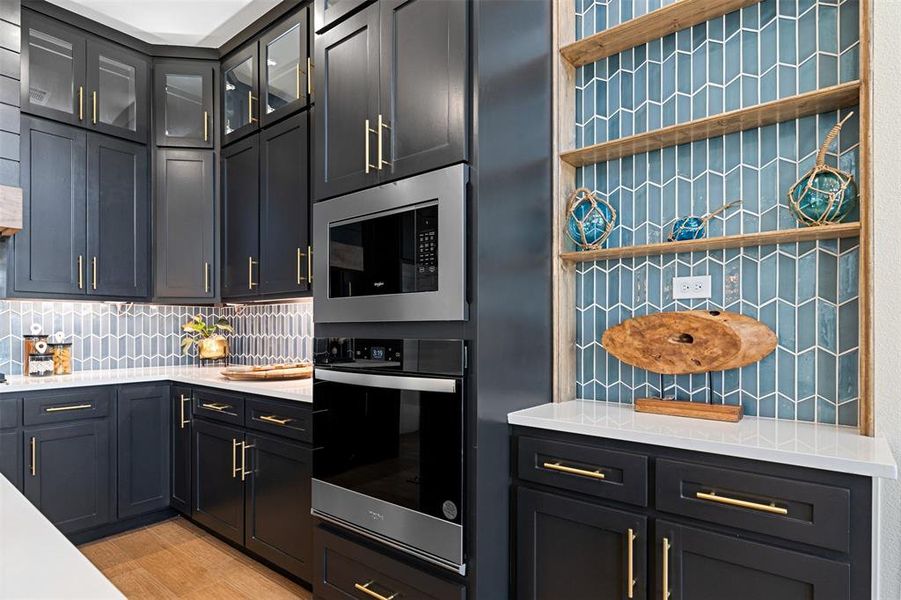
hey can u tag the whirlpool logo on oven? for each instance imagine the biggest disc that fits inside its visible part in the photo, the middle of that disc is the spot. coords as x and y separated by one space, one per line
376 516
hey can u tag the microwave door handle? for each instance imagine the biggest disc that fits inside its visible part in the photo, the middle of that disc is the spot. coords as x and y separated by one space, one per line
394 382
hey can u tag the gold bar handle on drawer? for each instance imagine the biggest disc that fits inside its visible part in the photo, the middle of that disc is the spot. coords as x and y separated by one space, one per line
183 421
53 409
235 444
244 471
364 587
206 126
81 103
767 508
275 419
555 466
630 565
34 457
664 592
219 406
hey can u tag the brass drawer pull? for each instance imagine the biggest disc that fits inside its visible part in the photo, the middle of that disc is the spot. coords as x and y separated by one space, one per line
275 419
630 568
184 421
53 409
556 466
664 592
364 587
216 406
767 508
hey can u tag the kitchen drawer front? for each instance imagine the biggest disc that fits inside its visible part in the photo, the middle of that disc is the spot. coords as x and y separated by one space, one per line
284 418
70 405
798 511
343 568
10 412
600 472
219 406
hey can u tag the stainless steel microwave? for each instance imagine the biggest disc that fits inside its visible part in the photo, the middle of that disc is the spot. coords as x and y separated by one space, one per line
396 252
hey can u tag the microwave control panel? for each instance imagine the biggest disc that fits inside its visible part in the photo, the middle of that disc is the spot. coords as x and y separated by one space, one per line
427 249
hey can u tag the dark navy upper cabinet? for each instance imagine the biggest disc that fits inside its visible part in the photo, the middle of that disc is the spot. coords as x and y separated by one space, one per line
73 77
240 94
241 218
118 218
285 80
50 251
143 456
183 103
392 92
185 233
329 12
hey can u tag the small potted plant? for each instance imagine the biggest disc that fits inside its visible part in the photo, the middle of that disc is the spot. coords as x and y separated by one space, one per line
210 343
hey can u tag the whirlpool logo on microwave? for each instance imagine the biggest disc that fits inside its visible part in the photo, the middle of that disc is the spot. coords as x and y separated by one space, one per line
376 516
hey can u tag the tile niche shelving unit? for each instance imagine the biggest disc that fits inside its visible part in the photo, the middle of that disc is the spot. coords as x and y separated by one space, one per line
655 24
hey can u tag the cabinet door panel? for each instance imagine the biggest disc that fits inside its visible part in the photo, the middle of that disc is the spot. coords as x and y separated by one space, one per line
240 103
181 449
329 12
117 218
69 480
277 503
11 457
53 70
702 565
284 207
218 489
185 224
118 83
423 92
347 89
241 218
143 457
576 549
51 246
283 68
183 103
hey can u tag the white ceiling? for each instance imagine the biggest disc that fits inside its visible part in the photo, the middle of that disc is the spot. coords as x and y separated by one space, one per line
205 23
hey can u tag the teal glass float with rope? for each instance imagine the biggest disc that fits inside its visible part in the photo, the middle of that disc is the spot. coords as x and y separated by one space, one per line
589 219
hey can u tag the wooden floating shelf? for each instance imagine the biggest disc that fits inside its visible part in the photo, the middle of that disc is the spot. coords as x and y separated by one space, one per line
653 25
802 105
806 234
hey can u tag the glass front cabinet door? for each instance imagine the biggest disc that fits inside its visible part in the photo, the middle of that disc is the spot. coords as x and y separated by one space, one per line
183 103
240 99
286 79
117 80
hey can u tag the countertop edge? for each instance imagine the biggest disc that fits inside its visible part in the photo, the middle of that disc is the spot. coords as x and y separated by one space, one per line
884 470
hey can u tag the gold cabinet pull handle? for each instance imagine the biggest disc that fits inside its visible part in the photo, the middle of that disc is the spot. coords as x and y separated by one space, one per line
81 103
34 457
206 126
94 96
250 100
235 444
630 565
218 406
309 76
184 421
310 264
250 263
556 466
364 587
299 276
767 508
94 273
244 471
382 126
54 409
366 130
297 80
80 272
664 592
275 419
206 277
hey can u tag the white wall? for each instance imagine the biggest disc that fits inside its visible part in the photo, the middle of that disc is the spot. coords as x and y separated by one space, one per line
886 60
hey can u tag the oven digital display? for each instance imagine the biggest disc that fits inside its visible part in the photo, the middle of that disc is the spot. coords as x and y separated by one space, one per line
377 353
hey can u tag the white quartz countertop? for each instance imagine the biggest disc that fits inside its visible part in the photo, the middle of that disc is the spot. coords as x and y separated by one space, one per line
811 445
300 390
37 561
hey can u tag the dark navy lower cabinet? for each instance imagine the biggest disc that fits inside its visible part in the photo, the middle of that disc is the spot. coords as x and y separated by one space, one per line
143 457
11 440
180 449
218 487
599 518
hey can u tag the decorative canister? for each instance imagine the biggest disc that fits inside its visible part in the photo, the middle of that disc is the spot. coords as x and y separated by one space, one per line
62 358
212 348
28 348
40 365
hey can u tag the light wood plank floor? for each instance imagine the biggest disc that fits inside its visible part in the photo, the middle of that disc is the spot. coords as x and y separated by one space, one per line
176 559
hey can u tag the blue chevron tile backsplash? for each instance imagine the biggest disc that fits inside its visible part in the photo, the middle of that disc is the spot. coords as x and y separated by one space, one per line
806 292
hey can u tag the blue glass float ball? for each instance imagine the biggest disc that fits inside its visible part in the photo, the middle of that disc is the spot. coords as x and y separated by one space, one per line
595 220
813 203
689 228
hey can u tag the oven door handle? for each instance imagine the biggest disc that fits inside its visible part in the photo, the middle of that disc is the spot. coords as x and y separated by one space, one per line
393 382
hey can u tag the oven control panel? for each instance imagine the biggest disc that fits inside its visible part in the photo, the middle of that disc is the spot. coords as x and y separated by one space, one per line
347 350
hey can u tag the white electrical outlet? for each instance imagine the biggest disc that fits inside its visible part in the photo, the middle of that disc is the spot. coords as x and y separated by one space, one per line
691 287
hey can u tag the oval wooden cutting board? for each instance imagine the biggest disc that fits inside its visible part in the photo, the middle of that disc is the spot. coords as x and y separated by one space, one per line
694 341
